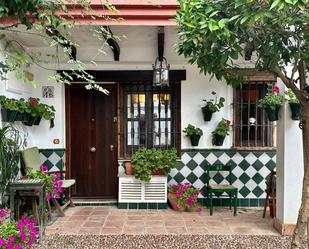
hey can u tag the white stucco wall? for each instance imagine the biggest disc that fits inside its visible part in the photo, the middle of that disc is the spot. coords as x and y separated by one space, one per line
138 51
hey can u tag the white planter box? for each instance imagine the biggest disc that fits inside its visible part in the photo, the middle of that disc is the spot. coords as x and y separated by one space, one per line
137 191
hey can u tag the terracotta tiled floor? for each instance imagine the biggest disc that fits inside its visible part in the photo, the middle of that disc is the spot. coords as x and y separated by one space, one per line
110 220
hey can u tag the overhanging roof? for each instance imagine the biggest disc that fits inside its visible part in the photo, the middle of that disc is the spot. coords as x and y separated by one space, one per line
129 12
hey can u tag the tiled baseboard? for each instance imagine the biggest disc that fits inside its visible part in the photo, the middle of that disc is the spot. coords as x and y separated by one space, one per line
142 205
225 202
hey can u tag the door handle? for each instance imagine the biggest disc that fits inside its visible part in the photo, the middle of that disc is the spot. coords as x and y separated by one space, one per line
111 147
93 149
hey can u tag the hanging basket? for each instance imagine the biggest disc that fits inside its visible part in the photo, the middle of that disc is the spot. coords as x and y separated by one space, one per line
207 114
195 140
217 140
8 115
272 112
28 120
295 110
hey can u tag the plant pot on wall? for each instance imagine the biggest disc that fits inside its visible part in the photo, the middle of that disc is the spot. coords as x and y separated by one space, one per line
8 115
19 116
218 140
37 120
195 140
28 120
295 110
129 168
272 112
207 114
173 201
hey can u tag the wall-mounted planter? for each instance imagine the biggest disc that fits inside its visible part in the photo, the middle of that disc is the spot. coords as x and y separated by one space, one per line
195 139
28 120
207 114
8 115
19 116
217 140
37 120
272 112
295 110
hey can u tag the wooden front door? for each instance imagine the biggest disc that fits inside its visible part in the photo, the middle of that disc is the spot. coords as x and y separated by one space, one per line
92 135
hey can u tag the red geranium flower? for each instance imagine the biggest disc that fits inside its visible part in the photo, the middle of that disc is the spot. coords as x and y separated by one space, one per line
228 122
34 102
276 89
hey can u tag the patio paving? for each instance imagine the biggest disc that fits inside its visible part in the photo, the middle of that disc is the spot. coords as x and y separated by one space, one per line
106 220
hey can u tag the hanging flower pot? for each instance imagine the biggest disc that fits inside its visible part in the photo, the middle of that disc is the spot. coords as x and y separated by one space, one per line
8 115
272 112
37 120
195 139
28 119
217 139
207 114
19 116
295 110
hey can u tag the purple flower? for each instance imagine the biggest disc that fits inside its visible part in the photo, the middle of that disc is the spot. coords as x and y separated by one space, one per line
20 224
17 246
11 239
2 242
9 246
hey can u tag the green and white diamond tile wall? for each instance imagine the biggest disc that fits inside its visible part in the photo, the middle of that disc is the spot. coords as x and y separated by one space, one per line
53 158
249 169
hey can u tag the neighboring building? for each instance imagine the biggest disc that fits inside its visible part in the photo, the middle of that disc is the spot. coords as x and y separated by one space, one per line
97 132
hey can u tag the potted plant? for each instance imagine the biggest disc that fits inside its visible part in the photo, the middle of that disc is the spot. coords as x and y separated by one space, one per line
272 103
211 106
9 109
184 197
194 133
10 145
147 162
221 132
293 103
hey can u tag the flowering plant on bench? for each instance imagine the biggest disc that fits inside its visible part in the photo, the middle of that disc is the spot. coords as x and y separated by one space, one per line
53 181
186 196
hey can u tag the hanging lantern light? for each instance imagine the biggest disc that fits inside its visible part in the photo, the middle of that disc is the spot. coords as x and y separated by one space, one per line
161 72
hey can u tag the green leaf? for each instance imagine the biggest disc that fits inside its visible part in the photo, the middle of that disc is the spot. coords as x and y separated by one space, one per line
274 4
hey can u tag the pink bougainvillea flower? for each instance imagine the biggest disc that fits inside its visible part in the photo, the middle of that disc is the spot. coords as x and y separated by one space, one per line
29 243
17 246
43 167
9 246
276 89
11 239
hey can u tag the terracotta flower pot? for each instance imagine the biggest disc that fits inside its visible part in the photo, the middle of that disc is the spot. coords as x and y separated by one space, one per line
129 168
158 172
173 201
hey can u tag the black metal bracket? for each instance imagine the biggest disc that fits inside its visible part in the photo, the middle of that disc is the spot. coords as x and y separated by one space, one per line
112 43
53 33
161 43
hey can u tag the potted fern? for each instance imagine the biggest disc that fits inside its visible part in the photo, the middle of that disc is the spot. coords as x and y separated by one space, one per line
194 133
211 106
221 132
293 103
272 103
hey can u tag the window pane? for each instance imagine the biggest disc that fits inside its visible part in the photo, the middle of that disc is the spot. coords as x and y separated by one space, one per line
136 105
162 133
162 105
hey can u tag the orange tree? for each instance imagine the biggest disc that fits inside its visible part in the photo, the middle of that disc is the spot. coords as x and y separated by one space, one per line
214 34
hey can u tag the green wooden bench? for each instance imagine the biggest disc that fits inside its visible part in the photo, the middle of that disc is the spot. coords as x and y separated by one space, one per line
220 189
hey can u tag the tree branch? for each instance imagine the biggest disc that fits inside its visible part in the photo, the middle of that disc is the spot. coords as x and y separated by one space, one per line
302 74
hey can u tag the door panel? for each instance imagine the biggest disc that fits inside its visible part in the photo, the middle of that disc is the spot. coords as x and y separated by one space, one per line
93 163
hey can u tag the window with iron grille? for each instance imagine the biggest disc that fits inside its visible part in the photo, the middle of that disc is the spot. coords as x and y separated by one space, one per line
251 126
151 117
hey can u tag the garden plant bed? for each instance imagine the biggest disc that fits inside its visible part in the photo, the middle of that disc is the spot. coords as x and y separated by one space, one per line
165 241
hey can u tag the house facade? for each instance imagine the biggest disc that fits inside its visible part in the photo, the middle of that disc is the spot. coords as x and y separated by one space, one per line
95 133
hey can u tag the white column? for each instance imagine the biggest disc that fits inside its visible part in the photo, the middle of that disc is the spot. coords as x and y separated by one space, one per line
289 168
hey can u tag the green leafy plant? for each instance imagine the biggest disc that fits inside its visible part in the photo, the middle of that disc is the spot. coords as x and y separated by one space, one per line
214 105
291 97
10 104
272 98
10 145
147 161
191 130
223 128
